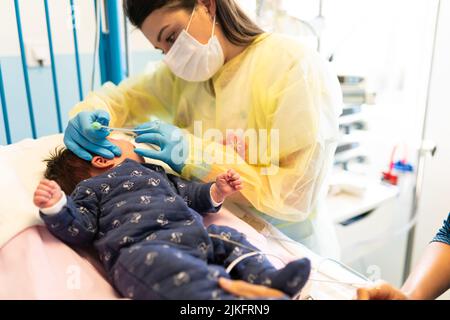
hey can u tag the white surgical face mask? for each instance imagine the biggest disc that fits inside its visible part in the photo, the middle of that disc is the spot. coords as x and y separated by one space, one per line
192 61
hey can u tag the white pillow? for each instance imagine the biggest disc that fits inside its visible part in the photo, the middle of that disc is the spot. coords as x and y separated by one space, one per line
21 169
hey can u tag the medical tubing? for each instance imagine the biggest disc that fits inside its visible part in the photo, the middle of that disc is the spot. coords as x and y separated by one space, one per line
359 275
247 256
256 253
215 236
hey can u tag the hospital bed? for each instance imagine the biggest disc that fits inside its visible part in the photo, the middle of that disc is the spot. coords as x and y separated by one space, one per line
35 265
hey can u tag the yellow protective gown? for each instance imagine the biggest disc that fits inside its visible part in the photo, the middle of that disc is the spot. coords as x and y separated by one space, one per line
276 83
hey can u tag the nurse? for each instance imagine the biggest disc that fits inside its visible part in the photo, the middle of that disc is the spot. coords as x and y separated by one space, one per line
221 76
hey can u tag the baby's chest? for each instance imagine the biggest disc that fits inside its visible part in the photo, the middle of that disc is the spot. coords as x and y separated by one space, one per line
149 203
137 185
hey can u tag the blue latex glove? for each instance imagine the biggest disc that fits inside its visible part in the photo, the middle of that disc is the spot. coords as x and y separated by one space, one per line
169 138
83 140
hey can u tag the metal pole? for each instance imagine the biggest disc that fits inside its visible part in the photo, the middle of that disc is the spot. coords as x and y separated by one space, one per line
4 108
127 44
52 58
319 38
97 9
25 69
422 154
112 58
77 53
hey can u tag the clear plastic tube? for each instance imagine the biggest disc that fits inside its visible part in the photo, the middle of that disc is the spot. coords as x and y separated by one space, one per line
253 253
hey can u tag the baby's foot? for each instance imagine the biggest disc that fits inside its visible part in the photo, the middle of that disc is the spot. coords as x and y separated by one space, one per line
292 278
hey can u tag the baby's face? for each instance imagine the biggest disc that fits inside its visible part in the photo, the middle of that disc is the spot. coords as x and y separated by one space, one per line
127 151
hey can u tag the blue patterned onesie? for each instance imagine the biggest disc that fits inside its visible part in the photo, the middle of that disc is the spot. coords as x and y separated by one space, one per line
147 228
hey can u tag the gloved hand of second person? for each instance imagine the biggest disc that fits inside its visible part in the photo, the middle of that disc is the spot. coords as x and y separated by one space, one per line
83 140
169 138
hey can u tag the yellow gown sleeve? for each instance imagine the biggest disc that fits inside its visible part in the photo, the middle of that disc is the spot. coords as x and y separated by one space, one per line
135 100
303 106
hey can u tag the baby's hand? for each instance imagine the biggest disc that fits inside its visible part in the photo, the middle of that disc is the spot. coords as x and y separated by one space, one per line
47 194
226 184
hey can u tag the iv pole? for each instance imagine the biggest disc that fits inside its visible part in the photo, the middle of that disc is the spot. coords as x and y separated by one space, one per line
320 16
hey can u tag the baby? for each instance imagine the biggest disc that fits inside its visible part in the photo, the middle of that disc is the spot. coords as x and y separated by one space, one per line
147 227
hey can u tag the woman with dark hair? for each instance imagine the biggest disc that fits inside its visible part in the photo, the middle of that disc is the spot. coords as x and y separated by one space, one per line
223 83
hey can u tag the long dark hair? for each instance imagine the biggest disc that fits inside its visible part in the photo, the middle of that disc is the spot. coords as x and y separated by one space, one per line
237 27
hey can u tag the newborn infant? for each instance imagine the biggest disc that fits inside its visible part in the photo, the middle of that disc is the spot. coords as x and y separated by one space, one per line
147 227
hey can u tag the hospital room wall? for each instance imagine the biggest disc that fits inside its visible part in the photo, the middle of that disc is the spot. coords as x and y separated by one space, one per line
35 37
398 114
394 56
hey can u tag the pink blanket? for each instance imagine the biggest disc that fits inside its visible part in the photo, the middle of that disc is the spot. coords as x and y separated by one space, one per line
36 265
